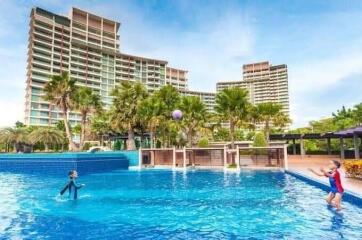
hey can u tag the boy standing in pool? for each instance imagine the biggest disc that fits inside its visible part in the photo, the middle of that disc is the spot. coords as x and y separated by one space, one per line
71 185
334 176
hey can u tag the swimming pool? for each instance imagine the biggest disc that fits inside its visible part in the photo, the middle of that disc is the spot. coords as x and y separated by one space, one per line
161 204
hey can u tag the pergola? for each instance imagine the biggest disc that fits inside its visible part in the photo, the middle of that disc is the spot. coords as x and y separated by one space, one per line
354 133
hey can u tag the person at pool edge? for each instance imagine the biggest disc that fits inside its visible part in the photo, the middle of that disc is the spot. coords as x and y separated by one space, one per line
72 186
334 197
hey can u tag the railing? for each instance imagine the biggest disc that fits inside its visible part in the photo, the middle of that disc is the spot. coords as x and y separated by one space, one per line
263 156
222 157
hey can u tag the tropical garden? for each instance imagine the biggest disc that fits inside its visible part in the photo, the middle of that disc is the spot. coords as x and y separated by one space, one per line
343 118
144 118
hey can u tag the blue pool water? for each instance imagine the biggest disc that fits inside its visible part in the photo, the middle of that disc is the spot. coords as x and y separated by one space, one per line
155 204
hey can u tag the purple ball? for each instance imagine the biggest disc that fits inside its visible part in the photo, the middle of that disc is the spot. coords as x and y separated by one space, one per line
177 115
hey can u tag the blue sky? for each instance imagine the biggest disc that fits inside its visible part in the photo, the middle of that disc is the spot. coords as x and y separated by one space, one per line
320 41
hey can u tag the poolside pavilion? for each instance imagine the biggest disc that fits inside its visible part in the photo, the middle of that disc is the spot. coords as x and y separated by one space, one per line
354 133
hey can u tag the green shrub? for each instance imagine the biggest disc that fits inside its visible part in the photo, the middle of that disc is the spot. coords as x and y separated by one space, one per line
117 145
86 146
203 142
259 140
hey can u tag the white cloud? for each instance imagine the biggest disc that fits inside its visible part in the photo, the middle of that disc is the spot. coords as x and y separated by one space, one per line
322 73
316 78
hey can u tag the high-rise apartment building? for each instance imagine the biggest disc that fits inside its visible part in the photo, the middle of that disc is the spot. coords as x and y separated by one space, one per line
208 98
264 82
87 46
177 78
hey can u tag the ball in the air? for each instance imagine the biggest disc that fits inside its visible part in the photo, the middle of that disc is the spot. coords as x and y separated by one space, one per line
177 115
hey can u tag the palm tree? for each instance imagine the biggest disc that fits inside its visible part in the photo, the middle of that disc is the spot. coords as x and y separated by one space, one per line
100 125
194 115
86 102
232 105
123 113
14 136
270 113
150 114
169 97
60 92
47 136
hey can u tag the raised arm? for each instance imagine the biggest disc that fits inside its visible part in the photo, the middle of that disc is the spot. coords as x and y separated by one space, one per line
78 185
321 174
326 173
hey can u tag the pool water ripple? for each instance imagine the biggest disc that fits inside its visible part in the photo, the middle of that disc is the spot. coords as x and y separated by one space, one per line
153 204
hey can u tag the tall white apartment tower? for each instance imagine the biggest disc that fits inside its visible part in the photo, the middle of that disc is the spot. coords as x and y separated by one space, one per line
264 82
86 46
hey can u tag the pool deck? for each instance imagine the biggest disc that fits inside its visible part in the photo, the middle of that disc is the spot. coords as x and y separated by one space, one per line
301 164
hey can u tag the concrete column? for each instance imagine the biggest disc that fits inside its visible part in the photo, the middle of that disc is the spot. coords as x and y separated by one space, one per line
329 146
356 146
302 151
285 155
184 157
294 147
225 157
140 158
237 158
341 145
173 158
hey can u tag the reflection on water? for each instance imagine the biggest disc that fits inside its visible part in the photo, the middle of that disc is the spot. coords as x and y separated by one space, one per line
11 187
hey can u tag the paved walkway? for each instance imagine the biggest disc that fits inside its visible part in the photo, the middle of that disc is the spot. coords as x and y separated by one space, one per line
299 164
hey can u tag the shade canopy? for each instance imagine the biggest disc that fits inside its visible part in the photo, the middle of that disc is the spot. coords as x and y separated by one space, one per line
350 131
347 133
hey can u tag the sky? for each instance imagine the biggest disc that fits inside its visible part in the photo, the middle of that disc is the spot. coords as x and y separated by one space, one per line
319 40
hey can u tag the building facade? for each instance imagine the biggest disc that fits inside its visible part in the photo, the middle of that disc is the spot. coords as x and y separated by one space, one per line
177 78
87 46
264 82
208 98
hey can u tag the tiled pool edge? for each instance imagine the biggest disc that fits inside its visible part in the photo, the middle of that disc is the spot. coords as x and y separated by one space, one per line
61 163
348 196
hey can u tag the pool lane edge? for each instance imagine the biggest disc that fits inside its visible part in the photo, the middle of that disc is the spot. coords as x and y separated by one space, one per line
348 196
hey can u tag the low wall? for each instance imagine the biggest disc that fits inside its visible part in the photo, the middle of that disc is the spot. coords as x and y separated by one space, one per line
61 163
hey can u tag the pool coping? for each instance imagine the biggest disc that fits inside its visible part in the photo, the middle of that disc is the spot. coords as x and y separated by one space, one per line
348 196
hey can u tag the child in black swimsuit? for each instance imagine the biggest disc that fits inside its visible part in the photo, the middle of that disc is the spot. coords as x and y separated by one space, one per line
72 186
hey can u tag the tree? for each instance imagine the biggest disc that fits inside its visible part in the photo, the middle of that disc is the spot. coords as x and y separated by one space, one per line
357 113
169 97
14 136
86 102
19 124
150 113
259 140
47 136
194 115
203 143
343 118
60 92
124 110
270 113
221 134
232 105
100 125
